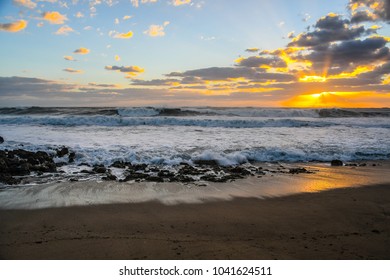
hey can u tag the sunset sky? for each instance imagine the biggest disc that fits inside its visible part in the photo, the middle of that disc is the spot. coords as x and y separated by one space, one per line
301 53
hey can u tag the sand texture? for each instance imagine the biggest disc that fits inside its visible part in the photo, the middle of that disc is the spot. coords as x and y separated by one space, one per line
346 223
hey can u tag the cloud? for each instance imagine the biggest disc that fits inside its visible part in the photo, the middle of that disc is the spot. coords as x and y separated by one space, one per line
25 3
103 85
13 26
156 30
131 71
71 70
180 2
118 35
69 58
348 55
127 17
262 61
252 50
330 28
81 51
54 17
369 10
117 58
79 15
135 3
64 30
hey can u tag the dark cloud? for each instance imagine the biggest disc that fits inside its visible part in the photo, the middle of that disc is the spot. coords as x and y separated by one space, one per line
369 10
331 28
252 50
103 85
154 82
217 73
350 54
124 69
257 61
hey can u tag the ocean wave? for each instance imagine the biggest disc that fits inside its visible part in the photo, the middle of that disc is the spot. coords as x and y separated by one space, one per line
199 111
231 122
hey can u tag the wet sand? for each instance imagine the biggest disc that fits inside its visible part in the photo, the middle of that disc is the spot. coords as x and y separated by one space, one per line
345 223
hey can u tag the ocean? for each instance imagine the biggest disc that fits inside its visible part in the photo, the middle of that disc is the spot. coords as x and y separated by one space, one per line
230 136
194 147
170 136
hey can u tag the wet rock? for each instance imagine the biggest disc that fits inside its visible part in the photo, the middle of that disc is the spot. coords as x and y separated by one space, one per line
72 156
213 178
238 170
190 170
155 179
206 162
109 177
183 179
135 176
99 169
165 174
336 162
21 163
1 140
62 152
298 170
118 164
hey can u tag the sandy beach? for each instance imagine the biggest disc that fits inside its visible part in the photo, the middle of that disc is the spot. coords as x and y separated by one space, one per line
344 223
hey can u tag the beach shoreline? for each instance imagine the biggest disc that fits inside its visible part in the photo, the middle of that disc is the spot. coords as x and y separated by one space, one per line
344 223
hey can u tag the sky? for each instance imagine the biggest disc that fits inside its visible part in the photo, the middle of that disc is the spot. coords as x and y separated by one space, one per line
258 53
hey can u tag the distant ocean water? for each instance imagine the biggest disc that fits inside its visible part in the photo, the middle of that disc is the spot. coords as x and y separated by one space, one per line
169 136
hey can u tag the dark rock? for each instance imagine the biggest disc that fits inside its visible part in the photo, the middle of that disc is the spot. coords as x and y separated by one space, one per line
8 179
336 162
238 170
363 164
206 162
72 156
213 178
135 176
190 170
1 140
109 177
298 170
183 179
99 169
165 174
155 179
64 151
118 164
87 171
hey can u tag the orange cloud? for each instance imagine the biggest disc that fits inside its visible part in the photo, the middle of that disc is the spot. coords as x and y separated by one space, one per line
69 57
82 51
156 30
73 71
64 30
13 26
25 3
54 17
180 2
127 35
131 71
